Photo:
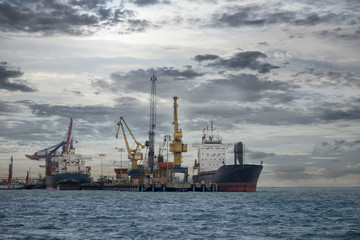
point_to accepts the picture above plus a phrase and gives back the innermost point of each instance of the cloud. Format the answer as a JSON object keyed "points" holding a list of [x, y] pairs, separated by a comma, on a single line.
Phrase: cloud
{"points": [[149, 2], [336, 146], [258, 155], [332, 78], [134, 80], [352, 113], [9, 72], [205, 57], [240, 60], [244, 88], [292, 172], [8, 107], [69, 17], [310, 176], [264, 15], [340, 33]]}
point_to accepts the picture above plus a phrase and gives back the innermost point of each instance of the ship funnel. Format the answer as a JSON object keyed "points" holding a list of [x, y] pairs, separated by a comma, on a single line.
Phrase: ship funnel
{"points": [[239, 153]]}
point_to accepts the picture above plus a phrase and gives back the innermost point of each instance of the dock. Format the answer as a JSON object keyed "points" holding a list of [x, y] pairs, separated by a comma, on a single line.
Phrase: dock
{"points": [[147, 187]]}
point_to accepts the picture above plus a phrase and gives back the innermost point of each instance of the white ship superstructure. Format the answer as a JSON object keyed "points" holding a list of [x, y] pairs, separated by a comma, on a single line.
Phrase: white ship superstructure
{"points": [[211, 152], [70, 163]]}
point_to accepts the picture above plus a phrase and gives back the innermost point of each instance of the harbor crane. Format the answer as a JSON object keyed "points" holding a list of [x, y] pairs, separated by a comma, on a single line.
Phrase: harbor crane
{"points": [[134, 154], [177, 147], [52, 151], [151, 155]]}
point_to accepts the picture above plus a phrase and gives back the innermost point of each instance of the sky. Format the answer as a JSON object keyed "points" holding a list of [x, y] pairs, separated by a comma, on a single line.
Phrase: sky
{"points": [[281, 76]]}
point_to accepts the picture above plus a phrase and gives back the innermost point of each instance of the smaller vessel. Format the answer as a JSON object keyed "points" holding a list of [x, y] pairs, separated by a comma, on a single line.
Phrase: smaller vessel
{"points": [[10, 183], [212, 168]]}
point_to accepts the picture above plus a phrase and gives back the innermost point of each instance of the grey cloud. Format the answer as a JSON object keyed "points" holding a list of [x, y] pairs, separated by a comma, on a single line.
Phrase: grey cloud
{"points": [[250, 82], [235, 16], [90, 120], [352, 113], [291, 172], [258, 155], [221, 112], [266, 14], [243, 60], [136, 25], [65, 17], [339, 33], [185, 73], [8, 107], [9, 72], [205, 57], [135, 81], [276, 114], [294, 172], [246, 88], [349, 170], [333, 78], [149, 2], [336, 146], [312, 19]]}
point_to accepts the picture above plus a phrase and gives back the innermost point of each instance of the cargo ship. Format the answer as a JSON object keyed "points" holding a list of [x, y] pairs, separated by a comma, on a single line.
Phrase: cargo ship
{"points": [[65, 169], [67, 172], [212, 168]]}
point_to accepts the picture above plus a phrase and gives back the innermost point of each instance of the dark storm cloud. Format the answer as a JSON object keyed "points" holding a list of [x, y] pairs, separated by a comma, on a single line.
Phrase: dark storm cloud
{"points": [[9, 72], [149, 2], [65, 17], [240, 60]]}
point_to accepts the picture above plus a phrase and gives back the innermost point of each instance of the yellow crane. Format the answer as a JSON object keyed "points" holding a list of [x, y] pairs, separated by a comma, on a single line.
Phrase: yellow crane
{"points": [[177, 147], [134, 154]]}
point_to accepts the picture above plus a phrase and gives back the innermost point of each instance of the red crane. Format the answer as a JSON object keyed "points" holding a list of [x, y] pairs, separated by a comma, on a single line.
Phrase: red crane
{"points": [[52, 151]]}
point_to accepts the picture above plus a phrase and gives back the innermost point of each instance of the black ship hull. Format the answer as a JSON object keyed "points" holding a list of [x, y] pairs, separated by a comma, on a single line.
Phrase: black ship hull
{"points": [[232, 178]]}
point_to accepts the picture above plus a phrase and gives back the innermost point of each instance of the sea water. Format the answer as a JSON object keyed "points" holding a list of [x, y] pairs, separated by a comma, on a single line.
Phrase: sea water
{"points": [[269, 213]]}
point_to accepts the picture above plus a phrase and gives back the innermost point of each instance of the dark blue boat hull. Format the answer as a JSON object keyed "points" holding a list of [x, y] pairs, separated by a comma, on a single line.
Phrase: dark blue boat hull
{"points": [[232, 178]]}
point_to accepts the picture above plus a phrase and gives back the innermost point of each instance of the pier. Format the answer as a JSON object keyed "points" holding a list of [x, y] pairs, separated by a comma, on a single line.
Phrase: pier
{"points": [[146, 187]]}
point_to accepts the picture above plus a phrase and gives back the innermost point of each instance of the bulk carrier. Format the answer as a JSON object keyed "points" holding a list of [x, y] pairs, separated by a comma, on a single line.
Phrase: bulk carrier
{"points": [[212, 168]]}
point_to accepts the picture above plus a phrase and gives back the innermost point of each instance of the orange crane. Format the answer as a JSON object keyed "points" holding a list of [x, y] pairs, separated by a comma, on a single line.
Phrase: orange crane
{"points": [[134, 154]]}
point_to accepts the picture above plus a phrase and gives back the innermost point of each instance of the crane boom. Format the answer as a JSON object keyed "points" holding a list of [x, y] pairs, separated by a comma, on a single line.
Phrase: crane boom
{"points": [[68, 145], [135, 154]]}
